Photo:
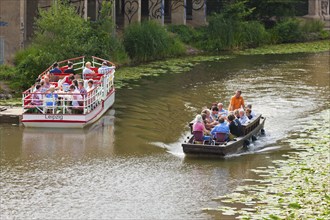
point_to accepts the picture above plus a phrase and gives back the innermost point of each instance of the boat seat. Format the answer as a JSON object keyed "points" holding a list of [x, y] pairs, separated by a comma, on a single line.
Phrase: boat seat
{"points": [[221, 138], [199, 138]]}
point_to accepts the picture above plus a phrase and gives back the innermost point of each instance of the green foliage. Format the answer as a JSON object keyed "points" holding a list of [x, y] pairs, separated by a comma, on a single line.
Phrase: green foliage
{"points": [[101, 39], [61, 34], [227, 34], [149, 41], [254, 34], [266, 9], [287, 31], [61, 31], [185, 33], [294, 30], [237, 10], [30, 63], [7, 72], [312, 26]]}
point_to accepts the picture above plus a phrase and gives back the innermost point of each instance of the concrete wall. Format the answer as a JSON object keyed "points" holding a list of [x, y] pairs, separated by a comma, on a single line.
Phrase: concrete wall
{"points": [[10, 29]]}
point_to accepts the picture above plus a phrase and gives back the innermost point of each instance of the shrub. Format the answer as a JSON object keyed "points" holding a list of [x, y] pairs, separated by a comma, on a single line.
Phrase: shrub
{"points": [[149, 41], [254, 34], [227, 34], [7, 72], [311, 25], [61, 34], [185, 33], [220, 33], [287, 31], [101, 40]]}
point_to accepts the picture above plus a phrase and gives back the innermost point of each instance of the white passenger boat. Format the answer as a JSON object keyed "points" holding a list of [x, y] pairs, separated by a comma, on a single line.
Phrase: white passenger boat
{"points": [[55, 109]]}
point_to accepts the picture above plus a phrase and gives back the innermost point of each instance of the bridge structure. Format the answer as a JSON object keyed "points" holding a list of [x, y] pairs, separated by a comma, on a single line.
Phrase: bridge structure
{"points": [[17, 16]]}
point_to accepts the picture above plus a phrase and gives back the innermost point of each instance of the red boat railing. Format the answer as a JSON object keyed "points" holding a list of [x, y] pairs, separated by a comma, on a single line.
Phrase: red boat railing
{"points": [[61, 102]]}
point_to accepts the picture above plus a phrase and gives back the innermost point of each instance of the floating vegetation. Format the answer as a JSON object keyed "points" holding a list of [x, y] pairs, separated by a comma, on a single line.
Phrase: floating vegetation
{"points": [[296, 188], [126, 74], [305, 47]]}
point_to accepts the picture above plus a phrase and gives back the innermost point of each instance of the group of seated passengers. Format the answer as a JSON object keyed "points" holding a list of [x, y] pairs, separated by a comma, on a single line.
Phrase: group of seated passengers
{"points": [[104, 69], [56, 69], [76, 89], [216, 119], [87, 69]]}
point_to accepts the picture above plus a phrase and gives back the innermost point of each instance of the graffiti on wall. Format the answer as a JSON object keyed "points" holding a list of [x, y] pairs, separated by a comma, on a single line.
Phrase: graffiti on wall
{"points": [[78, 5], [3, 24], [131, 8], [175, 4], [324, 8], [156, 9], [198, 4]]}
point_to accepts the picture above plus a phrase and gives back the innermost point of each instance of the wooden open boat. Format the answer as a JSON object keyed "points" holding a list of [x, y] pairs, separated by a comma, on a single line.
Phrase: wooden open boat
{"points": [[212, 148]]}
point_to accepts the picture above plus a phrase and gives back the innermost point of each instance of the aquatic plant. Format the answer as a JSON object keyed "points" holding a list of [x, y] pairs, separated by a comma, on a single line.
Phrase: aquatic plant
{"points": [[306, 47], [296, 187], [126, 74]]}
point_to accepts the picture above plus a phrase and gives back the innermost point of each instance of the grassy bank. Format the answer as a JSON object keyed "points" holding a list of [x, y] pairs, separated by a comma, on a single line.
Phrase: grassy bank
{"points": [[296, 187]]}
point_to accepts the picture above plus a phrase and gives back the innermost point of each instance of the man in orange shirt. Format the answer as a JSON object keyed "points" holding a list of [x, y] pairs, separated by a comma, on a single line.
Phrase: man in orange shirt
{"points": [[236, 102]]}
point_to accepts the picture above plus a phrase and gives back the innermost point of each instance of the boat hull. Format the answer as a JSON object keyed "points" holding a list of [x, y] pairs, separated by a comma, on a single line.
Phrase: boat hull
{"points": [[69, 120], [231, 147]]}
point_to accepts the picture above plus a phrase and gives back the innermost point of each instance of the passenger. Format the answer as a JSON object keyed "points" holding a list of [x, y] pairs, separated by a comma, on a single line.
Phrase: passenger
{"points": [[43, 88], [37, 96], [199, 126], [221, 111], [68, 79], [66, 82], [55, 69], [242, 117], [46, 75], [87, 69], [221, 127], [235, 127], [104, 69], [90, 85], [236, 113], [76, 100], [207, 123], [213, 105], [209, 117], [75, 83], [215, 112], [248, 113], [253, 114], [47, 83], [236, 102], [51, 98], [81, 88], [70, 69]]}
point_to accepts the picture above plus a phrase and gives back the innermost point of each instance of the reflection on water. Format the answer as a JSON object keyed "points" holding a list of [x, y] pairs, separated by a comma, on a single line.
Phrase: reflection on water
{"points": [[130, 163], [40, 143]]}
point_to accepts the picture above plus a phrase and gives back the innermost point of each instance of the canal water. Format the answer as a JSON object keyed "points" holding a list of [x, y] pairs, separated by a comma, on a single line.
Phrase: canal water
{"points": [[130, 165]]}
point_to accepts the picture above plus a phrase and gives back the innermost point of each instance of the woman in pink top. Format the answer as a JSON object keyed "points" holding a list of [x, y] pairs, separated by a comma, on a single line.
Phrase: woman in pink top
{"points": [[199, 125]]}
